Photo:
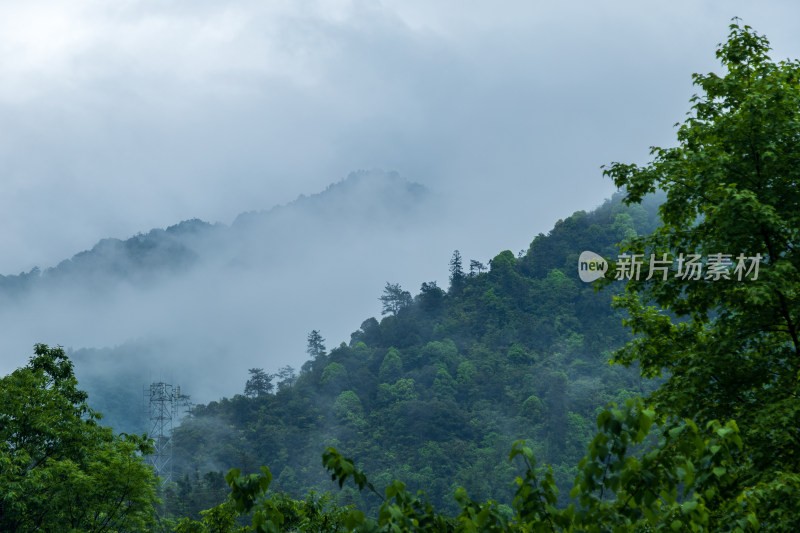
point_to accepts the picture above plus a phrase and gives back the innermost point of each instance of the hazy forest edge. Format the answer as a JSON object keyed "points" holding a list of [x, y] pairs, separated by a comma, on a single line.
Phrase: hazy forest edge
{"points": [[506, 354], [700, 435]]}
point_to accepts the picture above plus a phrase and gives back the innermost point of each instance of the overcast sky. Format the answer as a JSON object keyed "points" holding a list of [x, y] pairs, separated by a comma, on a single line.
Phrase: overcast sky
{"points": [[118, 117], [122, 116]]}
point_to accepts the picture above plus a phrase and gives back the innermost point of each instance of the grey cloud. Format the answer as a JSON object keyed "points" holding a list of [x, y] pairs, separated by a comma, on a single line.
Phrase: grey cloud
{"points": [[165, 111]]}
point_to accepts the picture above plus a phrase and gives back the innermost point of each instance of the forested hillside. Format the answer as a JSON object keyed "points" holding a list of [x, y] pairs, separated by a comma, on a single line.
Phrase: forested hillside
{"points": [[436, 391], [694, 428]]}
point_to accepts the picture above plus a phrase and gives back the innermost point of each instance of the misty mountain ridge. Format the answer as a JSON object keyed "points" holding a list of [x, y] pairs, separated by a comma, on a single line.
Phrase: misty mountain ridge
{"points": [[440, 387], [387, 192], [203, 302], [365, 198]]}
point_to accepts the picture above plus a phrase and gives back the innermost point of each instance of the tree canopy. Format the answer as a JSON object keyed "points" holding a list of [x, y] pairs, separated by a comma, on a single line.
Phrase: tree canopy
{"points": [[59, 469], [394, 298], [728, 341]]}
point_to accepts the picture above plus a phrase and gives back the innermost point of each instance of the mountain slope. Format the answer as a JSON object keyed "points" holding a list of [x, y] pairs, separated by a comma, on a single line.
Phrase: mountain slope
{"points": [[436, 392], [374, 198], [199, 303]]}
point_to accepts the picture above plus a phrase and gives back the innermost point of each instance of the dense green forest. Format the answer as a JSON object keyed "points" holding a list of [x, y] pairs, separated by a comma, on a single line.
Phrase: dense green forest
{"points": [[694, 428], [436, 391]]}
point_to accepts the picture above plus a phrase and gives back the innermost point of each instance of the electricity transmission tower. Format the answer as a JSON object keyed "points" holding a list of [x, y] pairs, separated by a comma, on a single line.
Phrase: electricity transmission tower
{"points": [[166, 405]]}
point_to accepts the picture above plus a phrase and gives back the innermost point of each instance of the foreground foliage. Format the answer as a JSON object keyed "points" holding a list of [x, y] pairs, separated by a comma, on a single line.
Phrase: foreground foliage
{"points": [[671, 487], [730, 346], [59, 469]]}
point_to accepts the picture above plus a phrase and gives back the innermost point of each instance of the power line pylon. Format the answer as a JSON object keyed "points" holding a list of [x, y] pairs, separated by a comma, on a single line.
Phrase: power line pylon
{"points": [[166, 405]]}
